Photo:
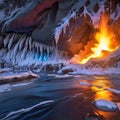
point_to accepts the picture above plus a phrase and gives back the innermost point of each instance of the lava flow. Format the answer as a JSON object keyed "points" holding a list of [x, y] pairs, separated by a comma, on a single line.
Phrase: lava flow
{"points": [[104, 42]]}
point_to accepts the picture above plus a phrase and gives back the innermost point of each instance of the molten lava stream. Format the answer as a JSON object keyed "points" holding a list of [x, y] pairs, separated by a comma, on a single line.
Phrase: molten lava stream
{"points": [[104, 42]]}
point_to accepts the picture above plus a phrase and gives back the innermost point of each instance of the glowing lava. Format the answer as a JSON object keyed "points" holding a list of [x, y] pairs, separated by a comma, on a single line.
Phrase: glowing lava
{"points": [[104, 42]]}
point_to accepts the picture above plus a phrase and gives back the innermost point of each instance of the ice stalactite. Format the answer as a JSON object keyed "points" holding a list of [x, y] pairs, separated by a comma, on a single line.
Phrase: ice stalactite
{"points": [[63, 26], [75, 11], [22, 50]]}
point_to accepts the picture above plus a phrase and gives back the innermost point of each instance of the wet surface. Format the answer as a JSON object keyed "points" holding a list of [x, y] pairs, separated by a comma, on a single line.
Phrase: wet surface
{"points": [[71, 100]]}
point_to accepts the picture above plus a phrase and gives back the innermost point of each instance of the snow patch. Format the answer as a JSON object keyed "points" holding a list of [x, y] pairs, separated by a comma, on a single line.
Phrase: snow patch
{"points": [[4, 88], [2, 70], [105, 105], [16, 77], [12, 75], [85, 69], [85, 83], [63, 76], [21, 84]]}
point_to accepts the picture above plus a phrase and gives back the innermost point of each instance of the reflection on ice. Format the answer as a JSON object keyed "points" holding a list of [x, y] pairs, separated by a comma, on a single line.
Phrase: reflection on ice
{"points": [[99, 87]]}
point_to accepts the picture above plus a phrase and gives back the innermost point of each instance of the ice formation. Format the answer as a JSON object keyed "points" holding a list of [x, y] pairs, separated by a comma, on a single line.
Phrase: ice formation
{"points": [[24, 49], [72, 15]]}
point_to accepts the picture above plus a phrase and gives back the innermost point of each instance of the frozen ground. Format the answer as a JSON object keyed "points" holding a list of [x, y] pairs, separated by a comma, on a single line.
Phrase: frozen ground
{"points": [[72, 98]]}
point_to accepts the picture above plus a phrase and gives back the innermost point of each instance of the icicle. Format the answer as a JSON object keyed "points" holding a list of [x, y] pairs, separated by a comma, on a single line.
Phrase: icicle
{"points": [[24, 53], [63, 26], [37, 47], [6, 40], [11, 41], [41, 50], [30, 43], [9, 56], [33, 46], [27, 43], [22, 41], [15, 51], [48, 51]]}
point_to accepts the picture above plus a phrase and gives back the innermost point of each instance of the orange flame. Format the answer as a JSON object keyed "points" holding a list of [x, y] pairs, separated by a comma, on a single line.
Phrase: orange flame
{"points": [[105, 41]]}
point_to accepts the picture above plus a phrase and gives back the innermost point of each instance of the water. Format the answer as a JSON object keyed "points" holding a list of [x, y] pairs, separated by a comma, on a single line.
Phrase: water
{"points": [[55, 97]]}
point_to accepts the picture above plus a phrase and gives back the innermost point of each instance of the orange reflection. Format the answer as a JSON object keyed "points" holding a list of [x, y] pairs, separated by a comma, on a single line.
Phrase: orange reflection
{"points": [[99, 88]]}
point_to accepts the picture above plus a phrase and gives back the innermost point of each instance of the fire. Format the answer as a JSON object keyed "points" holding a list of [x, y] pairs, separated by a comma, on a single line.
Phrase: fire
{"points": [[104, 42]]}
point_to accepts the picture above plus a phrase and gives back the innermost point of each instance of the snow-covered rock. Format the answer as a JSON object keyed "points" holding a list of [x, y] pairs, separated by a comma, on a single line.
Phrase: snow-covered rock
{"points": [[105, 105], [14, 77], [76, 69], [65, 70]]}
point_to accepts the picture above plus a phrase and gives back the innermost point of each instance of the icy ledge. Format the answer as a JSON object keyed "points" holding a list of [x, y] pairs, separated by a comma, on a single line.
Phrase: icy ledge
{"points": [[75, 69], [16, 77]]}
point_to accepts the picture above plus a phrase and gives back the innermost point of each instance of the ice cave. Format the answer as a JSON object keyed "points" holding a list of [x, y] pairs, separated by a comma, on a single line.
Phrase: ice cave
{"points": [[59, 59]]}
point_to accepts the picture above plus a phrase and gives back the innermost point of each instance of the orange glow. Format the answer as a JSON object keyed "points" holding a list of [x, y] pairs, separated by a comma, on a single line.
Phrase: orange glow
{"points": [[104, 42], [99, 88]]}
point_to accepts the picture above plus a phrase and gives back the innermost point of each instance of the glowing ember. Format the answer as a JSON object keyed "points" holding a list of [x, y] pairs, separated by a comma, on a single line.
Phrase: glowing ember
{"points": [[105, 42]]}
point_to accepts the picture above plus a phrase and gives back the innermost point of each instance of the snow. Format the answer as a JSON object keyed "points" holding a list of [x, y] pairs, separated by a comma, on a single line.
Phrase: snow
{"points": [[23, 110], [85, 83], [4, 88], [95, 17], [105, 105], [2, 70], [11, 75], [21, 84], [85, 69], [63, 76]]}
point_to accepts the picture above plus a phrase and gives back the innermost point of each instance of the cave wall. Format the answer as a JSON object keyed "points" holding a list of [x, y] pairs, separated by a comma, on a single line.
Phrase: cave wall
{"points": [[40, 18]]}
